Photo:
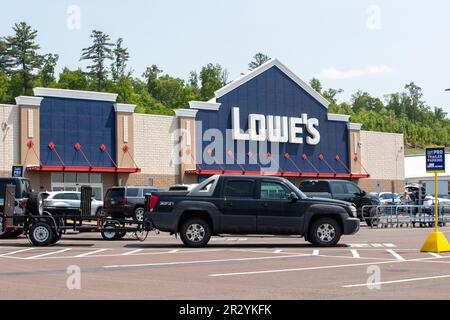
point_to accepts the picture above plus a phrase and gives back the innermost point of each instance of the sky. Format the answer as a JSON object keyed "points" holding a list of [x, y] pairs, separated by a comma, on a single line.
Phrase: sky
{"points": [[376, 46]]}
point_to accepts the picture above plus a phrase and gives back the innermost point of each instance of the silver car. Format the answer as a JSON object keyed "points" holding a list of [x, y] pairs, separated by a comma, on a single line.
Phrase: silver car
{"points": [[67, 200]]}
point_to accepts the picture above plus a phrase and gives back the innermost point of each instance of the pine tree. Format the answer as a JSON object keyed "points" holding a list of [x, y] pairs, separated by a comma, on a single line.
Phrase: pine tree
{"points": [[22, 50], [258, 60], [121, 57], [98, 53], [47, 73]]}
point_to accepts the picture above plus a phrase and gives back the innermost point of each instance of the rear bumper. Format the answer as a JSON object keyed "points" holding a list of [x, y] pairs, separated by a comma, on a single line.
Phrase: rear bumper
{"points": [[166, 221], [351, 226]]}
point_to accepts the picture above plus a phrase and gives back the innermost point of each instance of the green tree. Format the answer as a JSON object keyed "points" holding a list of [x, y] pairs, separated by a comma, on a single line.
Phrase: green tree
{"points": [[121, 57], [47, 72], [151, 75], [23, 52], [98, 53], [212, 78], [72, 79], [258, 60], [316, 85], [5, 58]]}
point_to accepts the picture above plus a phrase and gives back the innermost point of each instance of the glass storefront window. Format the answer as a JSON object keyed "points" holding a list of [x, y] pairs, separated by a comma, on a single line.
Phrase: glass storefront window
{"points": [[70, 177], [57, 177], [96, 178], [82, 177]]}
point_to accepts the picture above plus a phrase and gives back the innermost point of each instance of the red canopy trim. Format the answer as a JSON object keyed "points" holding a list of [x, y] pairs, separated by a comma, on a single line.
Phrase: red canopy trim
{"points": [[82, 169], [282, 174]]}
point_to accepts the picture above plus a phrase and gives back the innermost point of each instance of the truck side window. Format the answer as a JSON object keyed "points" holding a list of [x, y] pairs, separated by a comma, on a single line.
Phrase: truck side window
{"points": [[274, 191], [338, 188], [352, 189], [239, 189]]}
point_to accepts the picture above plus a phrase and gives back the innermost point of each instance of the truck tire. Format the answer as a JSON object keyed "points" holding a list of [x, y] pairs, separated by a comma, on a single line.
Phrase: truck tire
{"points": [[195, 232], [109, 235], [139, 214], [371, 221], [41, 234], [35, 204], [325, 232]]}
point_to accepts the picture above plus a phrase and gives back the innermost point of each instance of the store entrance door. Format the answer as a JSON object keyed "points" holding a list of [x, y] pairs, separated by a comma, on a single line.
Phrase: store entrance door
{"points": [[73, 181]]}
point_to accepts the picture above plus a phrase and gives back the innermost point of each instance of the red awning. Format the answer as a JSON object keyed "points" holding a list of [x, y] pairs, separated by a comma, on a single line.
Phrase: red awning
{"points": [[82, 169], [283, 174]]}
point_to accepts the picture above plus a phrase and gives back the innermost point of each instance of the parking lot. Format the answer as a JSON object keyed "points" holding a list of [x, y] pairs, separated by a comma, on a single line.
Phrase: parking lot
{"points": [[229, 268]]}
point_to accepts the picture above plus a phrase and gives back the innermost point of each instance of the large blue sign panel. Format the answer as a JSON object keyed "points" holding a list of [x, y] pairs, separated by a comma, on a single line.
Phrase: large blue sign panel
{"points": [[66, 122], [273, 100], [435, 160]]}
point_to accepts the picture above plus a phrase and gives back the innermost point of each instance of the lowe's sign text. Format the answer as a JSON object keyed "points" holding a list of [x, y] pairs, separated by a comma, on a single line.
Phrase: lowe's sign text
{"points": [[276, 128]]}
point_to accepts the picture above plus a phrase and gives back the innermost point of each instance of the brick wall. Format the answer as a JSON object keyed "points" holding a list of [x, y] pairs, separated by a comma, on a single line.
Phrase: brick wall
{"points": [[9, 138], [383, 155], [154, 144]]}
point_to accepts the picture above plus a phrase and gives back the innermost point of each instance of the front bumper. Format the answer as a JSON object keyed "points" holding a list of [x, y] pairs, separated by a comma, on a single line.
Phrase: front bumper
{"points": [[351, 226]]}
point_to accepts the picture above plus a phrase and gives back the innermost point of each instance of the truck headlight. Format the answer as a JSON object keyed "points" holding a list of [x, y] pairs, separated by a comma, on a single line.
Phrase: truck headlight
{"points": [[353, 212]]}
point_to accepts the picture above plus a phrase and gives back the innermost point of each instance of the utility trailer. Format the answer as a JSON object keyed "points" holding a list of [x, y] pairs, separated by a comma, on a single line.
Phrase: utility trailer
{"points": [[48, 228]]}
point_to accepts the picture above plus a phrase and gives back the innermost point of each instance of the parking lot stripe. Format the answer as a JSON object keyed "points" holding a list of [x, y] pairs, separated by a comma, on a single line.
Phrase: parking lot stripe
{"points": [[14, 252], [202, 261], [396, 255], [355, 253], [389, 245], [174, 251], [316, 252], [131, 252], [377, 245], [396, 281], [435, 255], [90, 253], [47, 254], [278, 251]]}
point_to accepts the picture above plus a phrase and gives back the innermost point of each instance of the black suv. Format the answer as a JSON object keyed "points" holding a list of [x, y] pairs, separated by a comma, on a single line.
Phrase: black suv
{"points": [[26, 202], [126, 202]]}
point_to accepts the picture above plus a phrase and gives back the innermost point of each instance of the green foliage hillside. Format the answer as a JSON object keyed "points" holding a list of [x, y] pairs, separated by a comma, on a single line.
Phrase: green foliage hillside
{"points": [[23, 66]]}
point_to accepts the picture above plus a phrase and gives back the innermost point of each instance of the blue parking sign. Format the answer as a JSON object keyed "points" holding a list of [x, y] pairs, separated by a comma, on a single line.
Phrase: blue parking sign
{"points": [[435, 159], [17, 171]]}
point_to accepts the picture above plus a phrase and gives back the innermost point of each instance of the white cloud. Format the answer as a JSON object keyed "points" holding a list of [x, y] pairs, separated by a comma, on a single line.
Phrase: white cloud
{"points": [[337, 74]]}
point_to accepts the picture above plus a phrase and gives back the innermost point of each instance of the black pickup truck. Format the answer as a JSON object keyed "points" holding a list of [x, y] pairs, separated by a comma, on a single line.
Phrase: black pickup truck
{"points": [[249, 205]]}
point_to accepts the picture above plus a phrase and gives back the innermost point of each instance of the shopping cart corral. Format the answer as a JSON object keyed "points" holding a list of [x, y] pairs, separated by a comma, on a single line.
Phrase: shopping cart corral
{"points": [[48, 228], [406, 216]]}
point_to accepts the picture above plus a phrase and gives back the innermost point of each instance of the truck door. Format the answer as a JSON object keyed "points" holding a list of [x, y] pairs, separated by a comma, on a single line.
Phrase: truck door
{"points": [[279, 215], [239, 207]]}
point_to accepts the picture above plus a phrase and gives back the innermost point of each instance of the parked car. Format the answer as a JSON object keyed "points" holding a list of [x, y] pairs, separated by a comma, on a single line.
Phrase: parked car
{"points": [[342, 190], [68, 202], [26, 202], [237, 205], [388, 198], [127, 202]]}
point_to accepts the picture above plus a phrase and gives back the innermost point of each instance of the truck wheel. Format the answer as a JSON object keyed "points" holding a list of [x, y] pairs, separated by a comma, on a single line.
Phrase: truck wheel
{"points": [[41, 234], [195, 233], [139, 214], [325, 232], [35, 204], [109, 235]]}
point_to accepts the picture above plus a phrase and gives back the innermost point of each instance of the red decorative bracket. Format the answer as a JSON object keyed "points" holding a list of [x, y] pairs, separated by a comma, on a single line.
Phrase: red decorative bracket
{"points": [[269, 155], [304, 156], [103, 148], [30, 144], [287, 155], [125, 148], [51, 145], [321, 157], [77, 146], [338, 158], [249, 154]]}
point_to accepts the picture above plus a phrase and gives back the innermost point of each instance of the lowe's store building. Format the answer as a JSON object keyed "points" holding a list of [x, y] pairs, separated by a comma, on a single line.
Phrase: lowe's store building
{"points": [[266, 122]]}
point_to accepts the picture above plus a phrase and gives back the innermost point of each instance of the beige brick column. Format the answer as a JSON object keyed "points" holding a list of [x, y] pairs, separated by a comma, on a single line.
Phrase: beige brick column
{"points": [[29, 130], [125, 135], [186, 125], [354, 139]]}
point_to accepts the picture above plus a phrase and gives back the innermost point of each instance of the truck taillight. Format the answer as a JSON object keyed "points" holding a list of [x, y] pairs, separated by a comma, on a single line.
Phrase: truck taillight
{"points": [[153, 201], [124, 200]]}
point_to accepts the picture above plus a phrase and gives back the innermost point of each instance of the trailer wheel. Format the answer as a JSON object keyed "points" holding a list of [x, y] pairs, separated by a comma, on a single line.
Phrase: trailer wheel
{"points": [[109, 235], [57, 237], [41, 234]]}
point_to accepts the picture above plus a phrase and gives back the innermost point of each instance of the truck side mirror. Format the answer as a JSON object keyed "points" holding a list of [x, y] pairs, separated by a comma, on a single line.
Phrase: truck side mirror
{"points": [[293, 197]]}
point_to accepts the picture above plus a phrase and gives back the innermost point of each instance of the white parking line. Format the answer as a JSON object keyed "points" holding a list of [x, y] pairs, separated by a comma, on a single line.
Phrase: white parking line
{"points": [[435, 255], [377, 245], [389, 245], [90, 253], [47, 254], [355, 253], [396, 281], [396, 255], [174, 251], [14, 252], [201, 261], [278, 251], [131, 252], [316, 252]]}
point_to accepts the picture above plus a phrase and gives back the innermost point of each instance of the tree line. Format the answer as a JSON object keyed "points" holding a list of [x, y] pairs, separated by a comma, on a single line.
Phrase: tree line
{"points": [[23, 67]]}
